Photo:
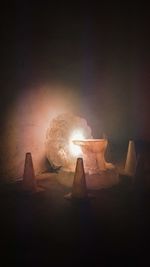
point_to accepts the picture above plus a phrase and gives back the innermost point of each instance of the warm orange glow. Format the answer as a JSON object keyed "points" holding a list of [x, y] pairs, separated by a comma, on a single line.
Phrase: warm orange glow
{"points": [[27, 122], [75, 150], [94, 151]]}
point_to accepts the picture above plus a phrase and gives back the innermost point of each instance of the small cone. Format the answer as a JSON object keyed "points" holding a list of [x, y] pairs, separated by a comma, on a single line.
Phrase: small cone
{"points": [[79, 184], [79, 190], [131, 161], [29, 181]]}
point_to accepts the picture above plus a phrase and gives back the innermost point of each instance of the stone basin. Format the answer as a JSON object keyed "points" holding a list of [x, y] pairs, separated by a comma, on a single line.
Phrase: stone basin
{"points": [[94, 154]]}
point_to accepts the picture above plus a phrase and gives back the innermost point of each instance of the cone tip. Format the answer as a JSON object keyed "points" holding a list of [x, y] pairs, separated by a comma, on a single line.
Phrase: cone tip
{"points": [[28, 153], [80, 159]]}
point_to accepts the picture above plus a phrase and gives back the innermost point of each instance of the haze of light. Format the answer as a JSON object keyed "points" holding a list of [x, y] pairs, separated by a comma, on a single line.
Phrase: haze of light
{"points": [[74, 149]]}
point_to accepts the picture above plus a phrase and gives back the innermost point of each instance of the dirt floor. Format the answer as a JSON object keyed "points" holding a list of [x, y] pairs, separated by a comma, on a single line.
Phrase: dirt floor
{"points": [[44, 229]]}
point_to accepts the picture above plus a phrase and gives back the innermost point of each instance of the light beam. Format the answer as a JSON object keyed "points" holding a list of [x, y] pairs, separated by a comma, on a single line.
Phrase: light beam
{"points": [[74, 149]]}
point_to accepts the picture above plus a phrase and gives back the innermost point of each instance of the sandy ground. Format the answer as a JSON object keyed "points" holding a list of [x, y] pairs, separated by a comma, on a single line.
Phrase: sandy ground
{"points": [[94, 181], [105, 179], [44, 229]]}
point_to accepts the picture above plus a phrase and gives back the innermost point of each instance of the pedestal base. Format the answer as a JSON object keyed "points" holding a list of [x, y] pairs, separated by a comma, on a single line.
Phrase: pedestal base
{"points": [[94, 155]]}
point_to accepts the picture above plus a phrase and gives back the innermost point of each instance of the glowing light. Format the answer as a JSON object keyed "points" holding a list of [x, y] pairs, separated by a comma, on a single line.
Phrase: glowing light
{"points": [[74, 149]]}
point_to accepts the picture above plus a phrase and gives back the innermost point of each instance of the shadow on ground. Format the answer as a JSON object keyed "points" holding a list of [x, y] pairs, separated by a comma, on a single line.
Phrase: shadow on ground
{"points": [[44, 229]]}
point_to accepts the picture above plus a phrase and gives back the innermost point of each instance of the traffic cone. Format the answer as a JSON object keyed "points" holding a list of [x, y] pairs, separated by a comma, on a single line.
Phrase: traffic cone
{"points": [[79, 189], [29, 181], [131, 161]]}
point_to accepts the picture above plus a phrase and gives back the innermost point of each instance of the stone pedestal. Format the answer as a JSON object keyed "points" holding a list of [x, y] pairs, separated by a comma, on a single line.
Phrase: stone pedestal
{"points": [[94, 154]]}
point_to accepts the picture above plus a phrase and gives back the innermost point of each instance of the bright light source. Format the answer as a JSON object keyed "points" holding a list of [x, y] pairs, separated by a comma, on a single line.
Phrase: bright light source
{"points": [[74, 149]]}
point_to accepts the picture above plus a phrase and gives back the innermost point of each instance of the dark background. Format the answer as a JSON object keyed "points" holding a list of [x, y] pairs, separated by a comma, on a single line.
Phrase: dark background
{"points": [[102, 51]]}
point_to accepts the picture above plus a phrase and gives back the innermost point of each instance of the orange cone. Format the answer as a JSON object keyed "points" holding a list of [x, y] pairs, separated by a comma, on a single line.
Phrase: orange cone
{"points": [[29, 181], [131, 161], [79, 190]]}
